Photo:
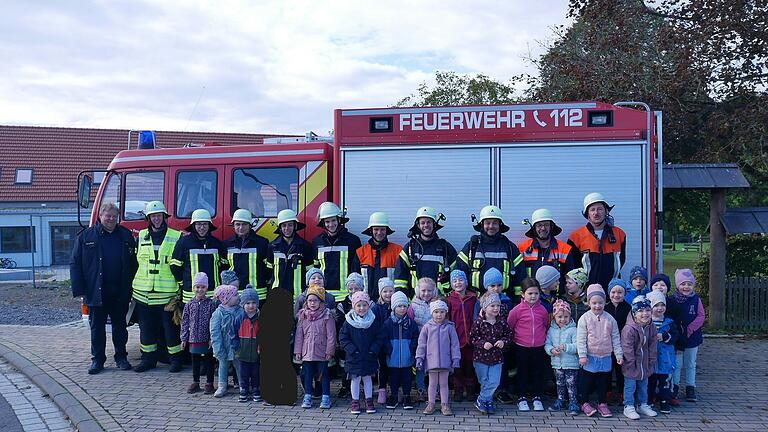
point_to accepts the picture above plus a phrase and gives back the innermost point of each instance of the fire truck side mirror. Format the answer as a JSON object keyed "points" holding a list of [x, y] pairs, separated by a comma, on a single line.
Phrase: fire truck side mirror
{"points": [[84, 191]]}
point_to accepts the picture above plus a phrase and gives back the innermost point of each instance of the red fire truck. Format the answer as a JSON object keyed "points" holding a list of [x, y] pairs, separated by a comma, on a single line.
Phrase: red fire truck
{"points": [[456, 159]]}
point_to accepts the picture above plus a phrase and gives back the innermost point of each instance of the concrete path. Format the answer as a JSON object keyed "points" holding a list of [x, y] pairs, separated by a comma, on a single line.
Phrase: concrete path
{"points": [[732, 389], [24, 407]]}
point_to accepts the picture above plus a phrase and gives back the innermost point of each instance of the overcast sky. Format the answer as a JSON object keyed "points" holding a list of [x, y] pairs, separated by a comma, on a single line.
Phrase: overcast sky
{"points": [[255, 66]]}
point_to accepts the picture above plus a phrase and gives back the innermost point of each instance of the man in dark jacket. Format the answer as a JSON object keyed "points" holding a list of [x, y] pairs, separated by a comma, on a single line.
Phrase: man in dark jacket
{"points": [[247, 255], [289, 254], [102, 268], [543, 248], [335, 249]]}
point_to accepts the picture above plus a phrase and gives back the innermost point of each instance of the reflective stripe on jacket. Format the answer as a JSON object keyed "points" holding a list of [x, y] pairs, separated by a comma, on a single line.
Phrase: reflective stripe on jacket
{"points": [[247, 257], [193, 255], [496, 251], [154, 283], [424, 258], [603, 258], [336, 257]]}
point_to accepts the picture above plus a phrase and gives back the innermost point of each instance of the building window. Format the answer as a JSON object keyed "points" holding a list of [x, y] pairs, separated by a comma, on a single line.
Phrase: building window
{"points": [[23, 175], [265, 191], [141, 188], [16, 239], [195, 190]]}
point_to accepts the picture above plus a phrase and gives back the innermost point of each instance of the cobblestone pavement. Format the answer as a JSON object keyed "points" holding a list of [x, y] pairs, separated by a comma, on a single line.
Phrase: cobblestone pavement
{"points": [[26, 408], [732, 395]]}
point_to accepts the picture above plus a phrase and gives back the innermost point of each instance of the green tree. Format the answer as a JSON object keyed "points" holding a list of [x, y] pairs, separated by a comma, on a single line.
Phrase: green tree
{"points": [[451, 88]]}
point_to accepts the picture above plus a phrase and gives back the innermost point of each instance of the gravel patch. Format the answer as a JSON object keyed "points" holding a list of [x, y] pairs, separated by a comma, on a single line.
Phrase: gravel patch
{"points": [[48, 304]]}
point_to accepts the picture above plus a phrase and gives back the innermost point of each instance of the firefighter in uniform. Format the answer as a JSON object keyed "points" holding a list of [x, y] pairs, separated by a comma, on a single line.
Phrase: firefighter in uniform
{"points": [[599, 245], [378, 257], [247, 254], [425, 254], [335, 250], [543, 248], [154, 286], [491, 248], [289, 255], [197, 252]]}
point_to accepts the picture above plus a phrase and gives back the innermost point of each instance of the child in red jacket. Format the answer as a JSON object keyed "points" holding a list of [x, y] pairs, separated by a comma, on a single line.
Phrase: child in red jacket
{"points": [[461, 307]]}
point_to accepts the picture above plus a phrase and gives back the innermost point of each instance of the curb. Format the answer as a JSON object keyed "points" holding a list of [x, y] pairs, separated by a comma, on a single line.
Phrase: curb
{"points": [[78, 415]]}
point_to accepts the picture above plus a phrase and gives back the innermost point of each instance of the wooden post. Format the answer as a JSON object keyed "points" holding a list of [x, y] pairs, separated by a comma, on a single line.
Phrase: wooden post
{"points": [[716, 258]]}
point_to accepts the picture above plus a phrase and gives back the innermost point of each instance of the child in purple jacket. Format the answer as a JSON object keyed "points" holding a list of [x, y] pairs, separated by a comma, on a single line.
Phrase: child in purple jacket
{"points": [[195, 333], [439, 354]]}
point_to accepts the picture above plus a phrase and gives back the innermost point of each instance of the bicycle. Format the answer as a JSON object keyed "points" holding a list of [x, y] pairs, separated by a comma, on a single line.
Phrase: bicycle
{"points": [[7, 263]]}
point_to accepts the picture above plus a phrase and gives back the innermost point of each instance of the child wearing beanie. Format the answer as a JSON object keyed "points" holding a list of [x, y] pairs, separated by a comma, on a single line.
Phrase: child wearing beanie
{"points": [[597, 335], [691, 316], [660, 282], [561, 346], [222, 328], [461, 307], [638, 283], [315, 344], [638, 343], [229, 277], [401, 338], [314, 277], [382, 310], [426, 291], [619, 309], [246, 345], [362, 340], [528, 322], [574, 295], [438, 353], [549, 281], [490, 338], [353, 284], [659, 384], [196, 333]]}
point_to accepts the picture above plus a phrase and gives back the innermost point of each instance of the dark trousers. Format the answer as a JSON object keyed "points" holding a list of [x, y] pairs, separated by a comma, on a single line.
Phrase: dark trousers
{"points": [[593, 381], [616, 373], [97, 319], [155, 327], [400, 378], [383, 371], [249, 376], [464, 378], [659, 388], [530, 371], [508, 365], [206, 360], [310, 370]]}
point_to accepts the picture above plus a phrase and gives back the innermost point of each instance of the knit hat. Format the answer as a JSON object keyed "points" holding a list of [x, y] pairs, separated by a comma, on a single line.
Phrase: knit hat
{"points": [[488, 299], [224, 293], [438, 305], [547, 276], [595, 290], [249, 294], [316, 290], [560, 306], [399, 298], [360, 296], [660, 277], [638, 272], [620, 282], [579, 276], [312, 271], [385, 282], [656, 297], [228, 277], [200, 279], [491, 277], [458, 274], [640, 303], [355, 278], [684, 275]]}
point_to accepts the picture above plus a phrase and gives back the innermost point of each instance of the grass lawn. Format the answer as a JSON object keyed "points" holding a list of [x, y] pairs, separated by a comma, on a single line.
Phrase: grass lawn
{"points": [[679, 259]]}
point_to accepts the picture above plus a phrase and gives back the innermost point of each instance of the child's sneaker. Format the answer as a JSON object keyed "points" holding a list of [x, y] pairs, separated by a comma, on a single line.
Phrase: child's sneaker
{"points": [[221, 391], [604, 410], [537, 405], [631, 413], [690, 393], [646, 410], [588, 409], [256, 396], [504, 397], [355, 409], [446, 409], [557, 406], [193, 388], [664, 407], [522, 405], [243, 396], [307, 402], [209, 389], [407, 403], [392, 402], [429, 409], [382, 399], [480, 405], [573, 408], [325, 402], [490, 408], [369, 407]]}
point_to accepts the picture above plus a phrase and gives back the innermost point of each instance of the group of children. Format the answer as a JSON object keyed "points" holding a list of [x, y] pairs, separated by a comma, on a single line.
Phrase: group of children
{"points": [[637, 331]]}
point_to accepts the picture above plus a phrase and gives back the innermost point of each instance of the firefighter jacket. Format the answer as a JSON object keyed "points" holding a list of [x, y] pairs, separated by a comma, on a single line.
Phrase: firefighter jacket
{"points": [[248, 258], [434, 258], [192, 255], [483, 252], [289, 263], [336, 258], [603, 258], [154, 283], [559, 255], [377, 261]]}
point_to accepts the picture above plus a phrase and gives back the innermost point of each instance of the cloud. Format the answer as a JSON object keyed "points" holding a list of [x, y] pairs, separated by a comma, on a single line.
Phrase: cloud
{"points": [[267, 66]]}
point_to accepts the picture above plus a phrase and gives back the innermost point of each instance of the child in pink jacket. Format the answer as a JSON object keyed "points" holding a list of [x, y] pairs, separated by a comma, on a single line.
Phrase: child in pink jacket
{"points": [[315, 344]]}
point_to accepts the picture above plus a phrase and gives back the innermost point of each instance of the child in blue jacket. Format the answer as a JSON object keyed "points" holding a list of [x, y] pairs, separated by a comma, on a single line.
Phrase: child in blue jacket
{"points": [[402, 338], [660, 383]]}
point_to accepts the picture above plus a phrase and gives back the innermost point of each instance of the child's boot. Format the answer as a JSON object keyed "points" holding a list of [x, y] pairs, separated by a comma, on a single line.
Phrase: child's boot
{"points": [[355, 409], [194, 388], [690, 393], [664, 407], [446, 409], [573, 408], [382, 398], [407, 403], [325, 402], [369, 407], [307, 401], [490, 407], [209, 389], [392, 402], [243, 396], [673, 400], [221, 391]]}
